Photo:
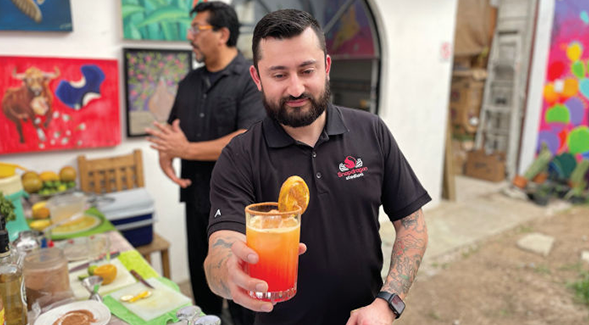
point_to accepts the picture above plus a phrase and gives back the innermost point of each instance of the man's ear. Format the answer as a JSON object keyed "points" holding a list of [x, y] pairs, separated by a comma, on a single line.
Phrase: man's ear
{"points": [[327, 65], [256, 77], [225, 34]]}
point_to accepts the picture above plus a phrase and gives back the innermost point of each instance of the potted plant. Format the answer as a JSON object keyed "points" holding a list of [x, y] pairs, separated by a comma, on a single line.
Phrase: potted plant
{"points": [[542, 194], [6, 211]]}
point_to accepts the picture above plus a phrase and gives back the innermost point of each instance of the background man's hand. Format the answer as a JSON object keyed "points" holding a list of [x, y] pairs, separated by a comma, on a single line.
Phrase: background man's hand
{"points": [[168, 169], [168, 139]]}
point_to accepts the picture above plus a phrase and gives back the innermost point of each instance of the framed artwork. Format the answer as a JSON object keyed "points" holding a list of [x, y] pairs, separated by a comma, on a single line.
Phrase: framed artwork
{"points": [[151, 81], [164, 20], [39, 15], [58, 103]]}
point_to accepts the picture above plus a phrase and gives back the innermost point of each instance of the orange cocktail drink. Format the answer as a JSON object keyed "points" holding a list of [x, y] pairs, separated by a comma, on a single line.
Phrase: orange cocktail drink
{"points": [[275, 237]]}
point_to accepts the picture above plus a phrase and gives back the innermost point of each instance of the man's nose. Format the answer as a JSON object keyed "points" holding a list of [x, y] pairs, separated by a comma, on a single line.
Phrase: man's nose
{"points": [[295, 87]]}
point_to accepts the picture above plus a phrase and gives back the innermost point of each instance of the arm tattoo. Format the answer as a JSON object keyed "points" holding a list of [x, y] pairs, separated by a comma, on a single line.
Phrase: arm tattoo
{"points": [[407, 253], [220, 252], [222, 243]]}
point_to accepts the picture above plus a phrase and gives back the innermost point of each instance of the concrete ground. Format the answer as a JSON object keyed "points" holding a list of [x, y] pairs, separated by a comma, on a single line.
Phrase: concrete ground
{"points": [[480, 211]]}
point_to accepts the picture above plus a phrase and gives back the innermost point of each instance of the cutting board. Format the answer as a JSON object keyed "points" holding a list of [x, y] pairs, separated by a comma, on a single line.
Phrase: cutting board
{"points": [[123, 279], [162, 300]]}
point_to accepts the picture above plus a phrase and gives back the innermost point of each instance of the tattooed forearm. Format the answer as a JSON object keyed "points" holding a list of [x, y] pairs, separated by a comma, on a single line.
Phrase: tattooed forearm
{"points": [[414, 221], [407, 254], [216, 261]]}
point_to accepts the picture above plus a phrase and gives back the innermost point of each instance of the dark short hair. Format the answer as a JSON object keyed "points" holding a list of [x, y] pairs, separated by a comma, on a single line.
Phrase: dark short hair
{"points": [[220, 15], [284, 24]]}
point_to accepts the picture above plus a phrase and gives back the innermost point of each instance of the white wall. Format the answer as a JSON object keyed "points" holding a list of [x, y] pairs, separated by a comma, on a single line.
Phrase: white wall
{"points": [[415, 84], [536, 84], [414, 88], [98, 34]]}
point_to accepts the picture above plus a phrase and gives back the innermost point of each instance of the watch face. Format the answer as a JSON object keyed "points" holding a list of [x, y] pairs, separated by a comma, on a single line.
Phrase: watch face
{"points": [[398, 303]]}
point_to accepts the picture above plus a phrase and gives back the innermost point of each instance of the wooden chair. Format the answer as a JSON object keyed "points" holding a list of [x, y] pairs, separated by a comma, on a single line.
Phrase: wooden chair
{"points": [[106, 175]]}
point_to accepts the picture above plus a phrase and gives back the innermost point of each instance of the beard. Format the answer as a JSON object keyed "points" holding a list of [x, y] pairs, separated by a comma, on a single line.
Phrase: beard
{"points": [[198, 55], [296, 117]]}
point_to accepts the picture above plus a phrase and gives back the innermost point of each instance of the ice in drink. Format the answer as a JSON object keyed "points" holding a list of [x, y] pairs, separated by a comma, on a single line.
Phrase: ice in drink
{"points": [[274, 236]]}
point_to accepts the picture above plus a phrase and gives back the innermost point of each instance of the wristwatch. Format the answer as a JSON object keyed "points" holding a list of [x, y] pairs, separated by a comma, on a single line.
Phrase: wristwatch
{"points": [[395, 302]]}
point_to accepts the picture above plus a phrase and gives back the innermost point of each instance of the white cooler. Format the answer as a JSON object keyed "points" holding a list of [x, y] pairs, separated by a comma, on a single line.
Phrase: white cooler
{"points": [[132, 212]]}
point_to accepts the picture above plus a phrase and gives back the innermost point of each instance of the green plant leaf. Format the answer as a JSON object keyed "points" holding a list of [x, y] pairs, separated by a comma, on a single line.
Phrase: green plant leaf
{"points": [[128, 10], [163, 14], [7, 208]]}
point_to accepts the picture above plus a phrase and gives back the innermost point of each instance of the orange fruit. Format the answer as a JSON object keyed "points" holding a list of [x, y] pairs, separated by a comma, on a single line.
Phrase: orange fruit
{"points": [[41, 213], [48, 176], [294, 194], [107, 272]]}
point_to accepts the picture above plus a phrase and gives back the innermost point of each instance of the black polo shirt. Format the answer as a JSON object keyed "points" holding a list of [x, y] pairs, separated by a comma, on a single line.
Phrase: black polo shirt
{"points": [[208, 111], [354, 168]]}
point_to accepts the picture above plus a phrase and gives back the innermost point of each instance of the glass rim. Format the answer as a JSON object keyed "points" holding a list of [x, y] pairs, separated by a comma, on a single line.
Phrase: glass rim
{"points": [[250, 209]]}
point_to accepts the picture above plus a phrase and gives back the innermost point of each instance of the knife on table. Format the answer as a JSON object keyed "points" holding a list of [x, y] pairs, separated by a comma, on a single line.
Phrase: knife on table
{"points": [[86, 264], [140, 279]]}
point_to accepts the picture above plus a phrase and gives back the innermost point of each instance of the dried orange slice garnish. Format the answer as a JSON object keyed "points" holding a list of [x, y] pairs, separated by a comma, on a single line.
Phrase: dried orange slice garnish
{"points": [[107, 272], [294, 194]]}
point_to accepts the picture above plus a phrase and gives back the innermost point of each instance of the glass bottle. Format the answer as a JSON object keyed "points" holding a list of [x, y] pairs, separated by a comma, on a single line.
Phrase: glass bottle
{"points": [[11, 282]]}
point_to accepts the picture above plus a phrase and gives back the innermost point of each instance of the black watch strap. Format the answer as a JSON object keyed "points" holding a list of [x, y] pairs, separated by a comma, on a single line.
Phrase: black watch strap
{"points": [[395, 302]]}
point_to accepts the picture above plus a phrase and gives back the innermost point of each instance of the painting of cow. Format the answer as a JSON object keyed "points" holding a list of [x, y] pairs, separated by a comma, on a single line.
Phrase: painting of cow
{"points": [[32, 101], [50, 104]]}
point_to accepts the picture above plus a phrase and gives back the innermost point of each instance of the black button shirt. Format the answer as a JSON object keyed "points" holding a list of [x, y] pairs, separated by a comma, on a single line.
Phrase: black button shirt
{"points": [[208, 111], [354, 168]]}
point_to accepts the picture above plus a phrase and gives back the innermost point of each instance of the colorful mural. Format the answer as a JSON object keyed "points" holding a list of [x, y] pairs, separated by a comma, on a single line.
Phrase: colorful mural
{"points": [[54, 15], [58, 103], [564, 123], [165, 20]]}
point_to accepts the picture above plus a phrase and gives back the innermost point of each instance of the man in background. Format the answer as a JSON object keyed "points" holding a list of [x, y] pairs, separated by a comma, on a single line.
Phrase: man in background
{"points": [[213, 104]]}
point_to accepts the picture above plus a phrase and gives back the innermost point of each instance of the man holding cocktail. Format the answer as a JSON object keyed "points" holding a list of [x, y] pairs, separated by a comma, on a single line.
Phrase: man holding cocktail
{"points": [[351, 164]]}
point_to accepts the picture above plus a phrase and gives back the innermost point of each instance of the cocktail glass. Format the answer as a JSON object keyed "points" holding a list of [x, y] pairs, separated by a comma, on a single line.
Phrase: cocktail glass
{"points": [[275, 237]]}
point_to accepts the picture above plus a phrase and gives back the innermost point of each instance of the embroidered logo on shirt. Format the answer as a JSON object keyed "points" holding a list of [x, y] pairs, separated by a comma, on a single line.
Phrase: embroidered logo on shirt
{"points": [[351, 168], [218, 213]]}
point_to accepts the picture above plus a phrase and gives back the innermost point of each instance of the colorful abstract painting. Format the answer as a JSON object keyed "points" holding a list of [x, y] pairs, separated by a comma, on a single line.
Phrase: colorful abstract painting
{"points": [[565, 110], [36, 15], [351, 36], [165, 20], [57, 104], [151, 79]]}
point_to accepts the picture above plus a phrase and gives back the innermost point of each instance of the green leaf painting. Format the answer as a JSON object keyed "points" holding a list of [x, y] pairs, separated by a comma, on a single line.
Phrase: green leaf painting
{"points": [[163, 20]]}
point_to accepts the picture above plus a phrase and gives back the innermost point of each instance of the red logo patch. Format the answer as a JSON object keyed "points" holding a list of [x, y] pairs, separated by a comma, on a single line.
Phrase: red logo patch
{"points": [[351, 168]]}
